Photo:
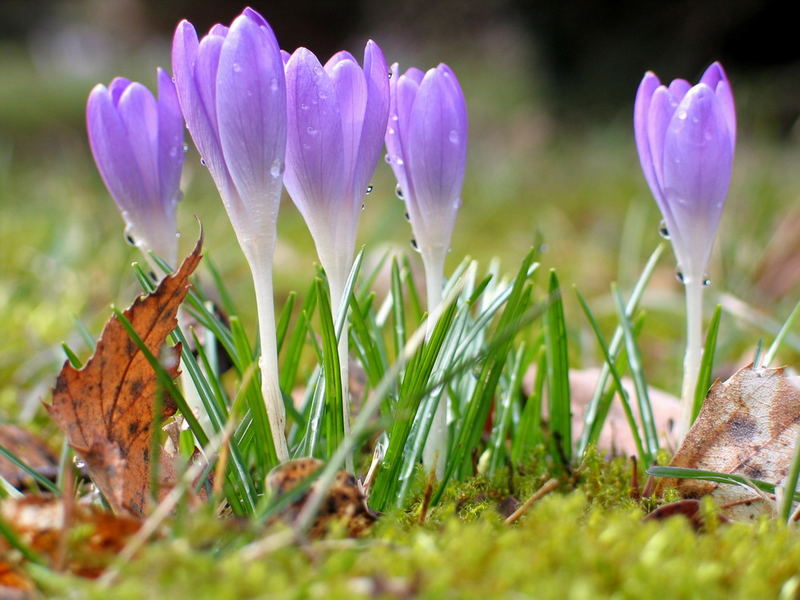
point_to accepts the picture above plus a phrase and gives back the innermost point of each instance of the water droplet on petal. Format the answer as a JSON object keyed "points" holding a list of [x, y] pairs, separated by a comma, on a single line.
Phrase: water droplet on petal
{"points": [[273, 84], [303, 106], [363, 206], [369, 189], [390, 75], [408, 217], [388, 159], [311, 130], [276, 170], [129, 239], [453, 137], [203, 161], [186, 147], [682, 115], [679, 276], [391, 130], [399, 161], [663, 231], [706, 281], [237, 68], [414, 245], [398, 191], [395, 117]]}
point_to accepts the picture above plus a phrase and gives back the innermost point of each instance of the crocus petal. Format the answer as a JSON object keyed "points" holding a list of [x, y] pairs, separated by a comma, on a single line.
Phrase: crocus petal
{"points": [[351, 98], [251, 108], [678, 88], [697, 169], [376, 114], [715, 78], [315, 163], [436, 155], [170, 140], [641, 120], [139, 113]]}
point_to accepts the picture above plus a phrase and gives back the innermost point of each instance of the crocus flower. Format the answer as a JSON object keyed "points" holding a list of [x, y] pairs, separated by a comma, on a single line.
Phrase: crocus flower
{"points": [[232, 92], [427, 143], [337, 118], [137, 143], [685, 136]]}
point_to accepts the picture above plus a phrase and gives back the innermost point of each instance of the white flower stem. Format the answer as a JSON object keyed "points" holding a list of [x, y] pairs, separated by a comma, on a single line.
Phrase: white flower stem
{"points": [[261, 268], [434, 454], [694, 350], [337, 283]]}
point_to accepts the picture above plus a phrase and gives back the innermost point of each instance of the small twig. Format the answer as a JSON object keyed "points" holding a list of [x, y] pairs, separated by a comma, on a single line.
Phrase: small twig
{"points": [[548, 487], [636, 492], [377, 458]]}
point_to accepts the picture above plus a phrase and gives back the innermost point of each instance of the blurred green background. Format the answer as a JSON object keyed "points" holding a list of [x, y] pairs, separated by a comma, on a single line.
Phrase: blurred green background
{"points": [[549, 86]]}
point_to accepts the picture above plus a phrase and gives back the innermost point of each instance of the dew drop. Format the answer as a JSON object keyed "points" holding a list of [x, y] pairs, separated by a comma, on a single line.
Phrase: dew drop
{"points": [[311, 130], [237, 68], [398, 191], [273, 84], [276, 170], [303, 106], [679, 276], [453, 137], [203, 161], [414, 245], [390, 75], [322, 95], [682, 115], [369, 189], [388, 159], [391, 130], [395, 117], [78, 462], [408, 217], [186, 147], [173, 152], [153, 276], [399, 161], [363, 206], [663, 231], [706, 282], [129, 238]]}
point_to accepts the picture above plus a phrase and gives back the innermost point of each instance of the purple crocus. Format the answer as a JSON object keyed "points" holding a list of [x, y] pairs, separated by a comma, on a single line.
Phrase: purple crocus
{"points": [[686, 136], [232, 92], [427, 143], [337, 118], [137, 143]]}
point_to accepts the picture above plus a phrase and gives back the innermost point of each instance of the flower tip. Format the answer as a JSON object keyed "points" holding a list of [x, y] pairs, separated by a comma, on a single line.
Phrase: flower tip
{"points": [[254, 15]]}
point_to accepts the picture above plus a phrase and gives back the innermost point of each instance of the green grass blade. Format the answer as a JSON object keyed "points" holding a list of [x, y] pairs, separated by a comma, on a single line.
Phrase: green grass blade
{"points": [[30, 471], [333, 424], [597, 425], [294, 350], [73, 359], [398, 312], [283, 320], [558, 397], [615, 347], [499, 435], [529, 431], [713, 476], [707, 364], [784, 331], [789, 485]]}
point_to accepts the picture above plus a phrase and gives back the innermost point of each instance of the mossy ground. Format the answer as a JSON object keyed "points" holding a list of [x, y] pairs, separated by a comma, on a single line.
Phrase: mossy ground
{"points": [[585, 540]]}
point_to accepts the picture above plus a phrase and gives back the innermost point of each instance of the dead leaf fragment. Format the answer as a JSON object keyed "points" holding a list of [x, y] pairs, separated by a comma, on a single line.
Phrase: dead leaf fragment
{"points": [[82, 538], [30, 449], [344, 503], [106, 408], [748, 426]]}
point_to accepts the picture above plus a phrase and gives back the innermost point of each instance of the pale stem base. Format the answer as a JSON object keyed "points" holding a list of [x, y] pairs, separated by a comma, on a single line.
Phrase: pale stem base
{"points": [[434, 454], [261, 269], [694, 351]]}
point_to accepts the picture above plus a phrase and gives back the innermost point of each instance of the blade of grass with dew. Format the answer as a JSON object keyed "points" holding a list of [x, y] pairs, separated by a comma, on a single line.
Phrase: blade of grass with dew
{"points": [[558, 394], [715, 477], [499, 435], [411, 393], [706, 364], [529, 431], [784, 331], [471, 424], [30, 471], [614, 348], [650, 437], [617, 384], [333, 426], [789, 485], [398, 311]]}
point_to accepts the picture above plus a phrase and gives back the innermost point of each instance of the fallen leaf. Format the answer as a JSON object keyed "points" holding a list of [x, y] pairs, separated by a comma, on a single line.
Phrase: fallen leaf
{"points": [[748, 426], [106, 408], [31, 450], [13, 585], [82, 538], [344, 503]]}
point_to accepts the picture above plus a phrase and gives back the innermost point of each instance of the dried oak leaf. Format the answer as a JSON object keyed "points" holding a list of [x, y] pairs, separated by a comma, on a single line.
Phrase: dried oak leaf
{"points": [[81, 538], [32, 450], [748, 426], [345, 502], [106, 408]]}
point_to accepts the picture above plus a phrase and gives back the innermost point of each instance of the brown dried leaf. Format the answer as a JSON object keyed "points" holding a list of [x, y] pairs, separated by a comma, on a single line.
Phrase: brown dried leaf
{"points": [[80, 537], [748, 426], [106, 408], [345, 502], [32, 450]]}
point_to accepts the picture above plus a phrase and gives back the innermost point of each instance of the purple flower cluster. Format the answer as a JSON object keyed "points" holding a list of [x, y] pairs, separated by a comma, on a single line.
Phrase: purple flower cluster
{"points": [[261, 118]]}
